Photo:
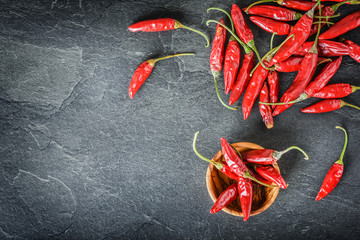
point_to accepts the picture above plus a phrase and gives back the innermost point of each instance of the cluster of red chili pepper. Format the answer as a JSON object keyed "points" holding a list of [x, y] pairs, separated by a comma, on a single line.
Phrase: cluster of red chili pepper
{"points": [[246, 168]]}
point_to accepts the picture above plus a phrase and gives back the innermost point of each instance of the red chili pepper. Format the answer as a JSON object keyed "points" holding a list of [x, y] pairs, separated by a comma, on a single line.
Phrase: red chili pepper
{"points": [[274, 12], [225, 198], [245, 189], [354, 50], [292, 64], [327, 48], [258, 176], [271, 174], [346, 24], [265, 110], [327, 11], [272, 26], [232, 63], [253, 90], [293, 4], [143, 71], [162, 24], [268, 156], [243, 77], [334, 174], [327, 105], [301, 31], [273, 80], [337, 90]]}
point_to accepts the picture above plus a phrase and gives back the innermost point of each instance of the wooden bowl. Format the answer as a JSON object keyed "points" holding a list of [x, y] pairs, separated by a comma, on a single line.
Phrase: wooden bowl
{"points": [[217, 182]]}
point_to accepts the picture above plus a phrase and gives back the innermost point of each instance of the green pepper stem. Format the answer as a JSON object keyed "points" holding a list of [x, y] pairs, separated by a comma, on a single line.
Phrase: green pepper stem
{"points": [[175, 55], [218, 165], [354, 88], [198, 32], [277, 155], [258, 2], [251, 44], [248, 175], [320, 22], [340, 161], [302, 97], [272, 39], [227, 14], [324, 61], [333, 16], [246, 48], [349, 105], [337, 5], [216, 76]]}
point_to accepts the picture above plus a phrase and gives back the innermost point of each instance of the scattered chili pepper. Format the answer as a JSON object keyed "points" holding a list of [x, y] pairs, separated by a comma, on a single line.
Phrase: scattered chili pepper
{"points": [[245, 189], [293, 4], [326, 48], [143, 71], [336, 90], [232, 63], [354, 50], [346, 24], [335, 173], [301, 31], [270, 173], [225, 198], [292, 64], [243, 77], [327, 105], [163, 24], [265, 110], [274, 84], [272, 26], [268, 156], [274, 12]]}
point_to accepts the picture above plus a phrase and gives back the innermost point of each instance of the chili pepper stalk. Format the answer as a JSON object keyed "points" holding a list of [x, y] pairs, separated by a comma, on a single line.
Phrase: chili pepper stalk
{"points": [[334, 174], [144, 70], [163, 24], [327, 105]]}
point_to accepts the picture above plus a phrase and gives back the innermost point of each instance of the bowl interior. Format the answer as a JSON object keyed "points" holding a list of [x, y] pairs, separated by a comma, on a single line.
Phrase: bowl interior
{"points": [[217, 182]]}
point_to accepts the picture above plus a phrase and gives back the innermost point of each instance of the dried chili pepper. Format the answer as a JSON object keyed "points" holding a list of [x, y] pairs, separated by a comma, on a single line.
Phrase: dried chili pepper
{"points": [[143, 71], [292, 64], [243, 77], [274, 12], [265, 110], [245, 189], [274, 84], [336, 90], [163, 24], [272, 26], [327, 48], [258, 176], [225, 198], [327, 105], [268, 156], [232, 63], [293, 4], [335, 173], [346, 24], [354, 50], [270, 173], [301, 31]]}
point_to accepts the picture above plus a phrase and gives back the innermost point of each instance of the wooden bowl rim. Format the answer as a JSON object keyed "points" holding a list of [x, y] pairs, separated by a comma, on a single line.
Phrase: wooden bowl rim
{"points": [[211, 167]]}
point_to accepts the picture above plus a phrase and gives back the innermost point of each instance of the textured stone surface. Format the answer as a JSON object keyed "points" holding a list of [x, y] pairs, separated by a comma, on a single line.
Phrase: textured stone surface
{"points": [[80, 160]]}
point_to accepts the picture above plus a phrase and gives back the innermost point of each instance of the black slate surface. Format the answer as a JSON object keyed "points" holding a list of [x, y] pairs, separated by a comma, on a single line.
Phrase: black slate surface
{"points": [[80, 160]]}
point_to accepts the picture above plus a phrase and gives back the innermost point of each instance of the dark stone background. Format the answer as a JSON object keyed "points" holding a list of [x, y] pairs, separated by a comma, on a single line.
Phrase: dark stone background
{"points": [[80, 160]]}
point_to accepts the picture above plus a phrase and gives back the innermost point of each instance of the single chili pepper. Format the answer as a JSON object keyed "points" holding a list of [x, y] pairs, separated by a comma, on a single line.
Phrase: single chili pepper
{"points": [[225, 198], [327, 48], [265, 110], [268, 156], [235, 162], [143, 71], [346, 24], [327, 105], [245, 189], [274, 12], [336, 90], [243, 77], [274, 85], [301, 31], [271, 174], [232, 63], [163, 24], [354, 50], [335, 173], [292, 64], [222, 167], [293, 4], [272, 26], [258, 176]]}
